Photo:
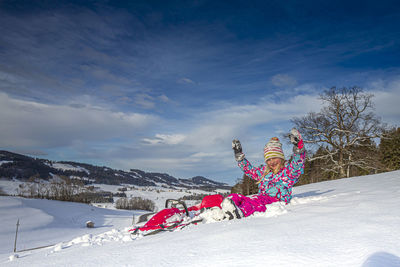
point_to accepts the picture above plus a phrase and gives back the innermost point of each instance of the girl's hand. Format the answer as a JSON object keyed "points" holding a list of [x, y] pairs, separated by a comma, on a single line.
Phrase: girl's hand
{"points": [[237, 150], [295, 136], [297, 141]]}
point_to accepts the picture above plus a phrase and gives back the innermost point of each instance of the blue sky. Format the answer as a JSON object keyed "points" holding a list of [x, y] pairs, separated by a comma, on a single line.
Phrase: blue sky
{"points": [[165, 86]]}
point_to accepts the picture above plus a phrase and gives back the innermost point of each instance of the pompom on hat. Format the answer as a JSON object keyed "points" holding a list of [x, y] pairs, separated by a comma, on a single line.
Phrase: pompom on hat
{"points": [[273, 149]]}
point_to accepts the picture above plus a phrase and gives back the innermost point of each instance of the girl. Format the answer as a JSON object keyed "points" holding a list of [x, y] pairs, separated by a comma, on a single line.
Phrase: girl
{"points": [[275, 179]]}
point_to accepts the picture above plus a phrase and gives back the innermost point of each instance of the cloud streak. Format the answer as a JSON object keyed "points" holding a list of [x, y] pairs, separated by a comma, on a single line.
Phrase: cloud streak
{"points": [[28, 124], [168, 139]]}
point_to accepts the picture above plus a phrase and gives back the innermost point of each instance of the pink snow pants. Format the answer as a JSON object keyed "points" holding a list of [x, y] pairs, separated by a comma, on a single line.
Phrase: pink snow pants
{"points": [[249, 205]]}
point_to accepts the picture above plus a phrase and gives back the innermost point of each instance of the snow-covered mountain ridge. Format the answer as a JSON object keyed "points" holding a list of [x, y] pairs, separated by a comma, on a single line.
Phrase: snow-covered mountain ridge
{"points": [[347, 222], [16, 166]]}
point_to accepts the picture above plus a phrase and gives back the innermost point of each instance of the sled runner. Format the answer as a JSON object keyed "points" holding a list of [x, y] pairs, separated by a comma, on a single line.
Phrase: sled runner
{"points": [[172, 218]]}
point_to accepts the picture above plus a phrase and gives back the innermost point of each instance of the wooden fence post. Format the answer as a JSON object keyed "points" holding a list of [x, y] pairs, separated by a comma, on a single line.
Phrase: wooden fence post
{"points": [[16, 234]]}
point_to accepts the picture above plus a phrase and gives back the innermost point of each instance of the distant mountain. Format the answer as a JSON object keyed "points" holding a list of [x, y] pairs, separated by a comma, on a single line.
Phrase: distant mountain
{"points": [[17, 166]]}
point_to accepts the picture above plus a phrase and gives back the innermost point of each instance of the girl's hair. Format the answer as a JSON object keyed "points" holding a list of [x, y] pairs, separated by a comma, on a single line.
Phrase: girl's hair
{"points": [[268, 169]]}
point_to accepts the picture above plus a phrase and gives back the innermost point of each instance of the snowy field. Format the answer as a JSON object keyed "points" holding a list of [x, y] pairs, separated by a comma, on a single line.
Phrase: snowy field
{"points": [[347, 222], [157, 194]]}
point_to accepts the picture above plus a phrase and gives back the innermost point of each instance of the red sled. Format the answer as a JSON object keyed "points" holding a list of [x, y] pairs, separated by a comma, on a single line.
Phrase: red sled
{"points": [[172, 218]]}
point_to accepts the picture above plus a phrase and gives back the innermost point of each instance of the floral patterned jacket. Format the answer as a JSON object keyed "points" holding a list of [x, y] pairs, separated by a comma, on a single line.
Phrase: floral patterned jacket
{"points": [[276, 185]]}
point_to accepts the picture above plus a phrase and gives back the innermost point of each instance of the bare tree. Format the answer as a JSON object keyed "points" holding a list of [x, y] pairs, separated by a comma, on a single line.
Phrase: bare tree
{"points": [[345, 125]]}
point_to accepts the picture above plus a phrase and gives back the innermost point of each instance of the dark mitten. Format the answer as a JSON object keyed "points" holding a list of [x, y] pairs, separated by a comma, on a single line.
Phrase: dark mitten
{"points": [[237, 150]]}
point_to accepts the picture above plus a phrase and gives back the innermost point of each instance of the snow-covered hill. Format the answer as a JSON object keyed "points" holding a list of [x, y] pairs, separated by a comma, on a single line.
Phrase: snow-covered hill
{"points": [[16, 166], [348, 222]]}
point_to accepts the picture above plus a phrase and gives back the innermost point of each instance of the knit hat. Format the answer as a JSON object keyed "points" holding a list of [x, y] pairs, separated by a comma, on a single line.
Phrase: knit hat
{"points": [[273, 149]]}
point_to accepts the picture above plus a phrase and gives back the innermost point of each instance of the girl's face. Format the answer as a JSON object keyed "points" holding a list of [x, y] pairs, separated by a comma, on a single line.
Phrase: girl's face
{"points": [[274, 163]]}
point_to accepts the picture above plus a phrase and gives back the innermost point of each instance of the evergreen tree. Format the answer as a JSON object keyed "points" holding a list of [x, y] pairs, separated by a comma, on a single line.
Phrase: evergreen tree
{"points": [[315, 171], [366, 159], [249, 186], [389, 149], [245, 186]]}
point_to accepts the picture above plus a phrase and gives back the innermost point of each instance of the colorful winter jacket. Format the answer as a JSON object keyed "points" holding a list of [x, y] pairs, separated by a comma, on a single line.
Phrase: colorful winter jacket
{"points": [[276, 185]]}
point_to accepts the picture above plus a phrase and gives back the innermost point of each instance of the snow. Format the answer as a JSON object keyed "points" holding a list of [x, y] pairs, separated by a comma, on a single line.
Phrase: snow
{"points": [[347, 222], [5, 161], [10, 186], [68, 167]]}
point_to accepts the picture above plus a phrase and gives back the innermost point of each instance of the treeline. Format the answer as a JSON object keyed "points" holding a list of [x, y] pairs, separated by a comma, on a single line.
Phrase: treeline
{"points": [[64, 189], [245, 186], [135, 203]]}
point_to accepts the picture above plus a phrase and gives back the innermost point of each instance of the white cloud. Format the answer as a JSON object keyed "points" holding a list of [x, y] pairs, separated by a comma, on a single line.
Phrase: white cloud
{"points": [[148, 101], [386, 100], [163, 98], [182, 166], [168, 139], [28, 124], [186, 81], [145, 101], [202, 155]]}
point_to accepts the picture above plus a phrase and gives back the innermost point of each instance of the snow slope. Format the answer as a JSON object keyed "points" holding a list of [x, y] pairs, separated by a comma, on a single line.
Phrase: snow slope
{"points": [[67, 167], [44, 222], [347, 222]]}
